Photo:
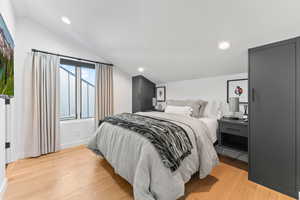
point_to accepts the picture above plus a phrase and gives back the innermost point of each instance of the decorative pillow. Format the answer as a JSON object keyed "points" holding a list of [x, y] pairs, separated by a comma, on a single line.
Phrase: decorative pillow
{"points": [[202, 108], [198, 106], [182, 110]]}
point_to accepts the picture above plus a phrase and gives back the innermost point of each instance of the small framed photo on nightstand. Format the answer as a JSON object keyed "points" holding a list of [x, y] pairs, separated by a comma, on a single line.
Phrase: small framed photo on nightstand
{"points": [[161, 94]]}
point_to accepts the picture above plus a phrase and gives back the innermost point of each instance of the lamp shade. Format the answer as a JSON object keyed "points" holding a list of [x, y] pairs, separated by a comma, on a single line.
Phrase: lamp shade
{"points": [[234, 104], [154, 102]]}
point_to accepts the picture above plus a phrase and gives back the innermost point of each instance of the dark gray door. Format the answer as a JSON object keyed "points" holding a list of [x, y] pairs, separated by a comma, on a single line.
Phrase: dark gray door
{"points": [[272, 116], [298, 115]]}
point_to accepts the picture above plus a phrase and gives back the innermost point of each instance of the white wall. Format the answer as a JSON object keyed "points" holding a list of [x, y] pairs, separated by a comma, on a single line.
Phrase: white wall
{"points": [[76, 132], [2, 147], [122, 92], [212, 88], [8, 15], [33, 35], [209, 89]]}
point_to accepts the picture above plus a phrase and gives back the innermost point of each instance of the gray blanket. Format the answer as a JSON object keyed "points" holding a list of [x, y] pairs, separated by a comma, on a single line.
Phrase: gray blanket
{"points": [[170, 140], [135, 159]]}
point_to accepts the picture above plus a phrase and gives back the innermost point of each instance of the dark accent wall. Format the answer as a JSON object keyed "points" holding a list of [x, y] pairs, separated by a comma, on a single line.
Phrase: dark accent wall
{"points": [[143, 90]]}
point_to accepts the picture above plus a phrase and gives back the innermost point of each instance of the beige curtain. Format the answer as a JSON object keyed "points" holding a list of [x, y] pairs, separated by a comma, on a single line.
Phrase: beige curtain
{"points": [[104, 92], [43, 115]]}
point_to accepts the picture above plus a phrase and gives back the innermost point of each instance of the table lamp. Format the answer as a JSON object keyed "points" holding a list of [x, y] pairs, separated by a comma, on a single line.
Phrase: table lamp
{"points": [[234, 107]]}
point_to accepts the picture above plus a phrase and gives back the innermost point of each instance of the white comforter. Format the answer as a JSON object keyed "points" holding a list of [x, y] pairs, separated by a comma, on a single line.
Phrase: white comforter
{"points": [[134, 158]]}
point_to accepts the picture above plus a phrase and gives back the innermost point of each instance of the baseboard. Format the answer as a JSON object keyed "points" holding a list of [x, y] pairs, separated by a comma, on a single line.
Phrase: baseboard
{"points": [[74, 144], [3, 188]]}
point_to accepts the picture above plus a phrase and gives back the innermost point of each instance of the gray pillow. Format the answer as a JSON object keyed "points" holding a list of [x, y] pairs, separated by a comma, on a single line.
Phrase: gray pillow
{"points": [[198, 106], [202, 108]]}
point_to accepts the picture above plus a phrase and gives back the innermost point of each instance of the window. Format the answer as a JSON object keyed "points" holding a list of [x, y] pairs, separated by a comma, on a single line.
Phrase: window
{"points": [[67, 92], [87, 81], [77, 90]]}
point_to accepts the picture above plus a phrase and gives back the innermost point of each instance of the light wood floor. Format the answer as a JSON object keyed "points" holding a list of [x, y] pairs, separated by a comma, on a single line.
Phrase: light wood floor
{"points": [[77, 174]]}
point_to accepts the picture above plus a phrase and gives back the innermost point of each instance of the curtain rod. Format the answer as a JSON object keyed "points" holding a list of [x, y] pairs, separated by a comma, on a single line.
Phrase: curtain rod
{"points": [[81, 59]]}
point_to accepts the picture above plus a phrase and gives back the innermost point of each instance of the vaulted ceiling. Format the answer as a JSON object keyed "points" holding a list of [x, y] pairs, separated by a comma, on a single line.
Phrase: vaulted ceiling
{"points": [[171, 39]]}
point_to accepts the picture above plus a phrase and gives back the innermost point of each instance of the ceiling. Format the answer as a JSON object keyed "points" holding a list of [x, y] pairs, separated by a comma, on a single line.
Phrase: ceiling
{"points": [[172, 39]]}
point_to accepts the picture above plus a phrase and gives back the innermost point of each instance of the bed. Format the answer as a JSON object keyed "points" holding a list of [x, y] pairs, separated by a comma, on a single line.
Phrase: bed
{"points": [[212, 126], [136, 159]]}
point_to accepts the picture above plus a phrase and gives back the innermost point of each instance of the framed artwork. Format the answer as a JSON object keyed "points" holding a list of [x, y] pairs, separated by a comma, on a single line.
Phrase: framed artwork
{"points": [[6, 61], [161, 94], [238, 88]]}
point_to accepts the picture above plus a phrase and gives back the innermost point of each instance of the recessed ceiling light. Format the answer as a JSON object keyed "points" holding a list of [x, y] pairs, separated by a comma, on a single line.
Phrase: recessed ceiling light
{"points": [[66, 20], [141, 69], [224, 45]]}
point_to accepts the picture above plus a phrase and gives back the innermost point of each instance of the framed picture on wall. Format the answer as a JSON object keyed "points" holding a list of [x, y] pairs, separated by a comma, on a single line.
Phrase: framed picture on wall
{"points": [[6, 61], [161, 94], [238, 88]]}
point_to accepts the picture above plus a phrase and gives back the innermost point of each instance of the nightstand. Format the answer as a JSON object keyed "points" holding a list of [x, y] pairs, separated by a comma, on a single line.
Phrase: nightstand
{"points": [[233, 138]]}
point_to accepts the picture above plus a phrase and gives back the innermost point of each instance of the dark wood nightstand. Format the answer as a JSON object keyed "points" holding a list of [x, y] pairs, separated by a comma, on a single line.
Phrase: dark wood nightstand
{"points": [[233, 138]]}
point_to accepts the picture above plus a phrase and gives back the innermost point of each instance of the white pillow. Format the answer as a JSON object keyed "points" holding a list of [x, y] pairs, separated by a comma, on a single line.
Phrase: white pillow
{"points": [[213, 109], [182, 110]]}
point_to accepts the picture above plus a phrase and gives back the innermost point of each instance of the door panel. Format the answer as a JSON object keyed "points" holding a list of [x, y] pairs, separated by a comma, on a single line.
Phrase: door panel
{"points": [[272, 116], [298, 115]]}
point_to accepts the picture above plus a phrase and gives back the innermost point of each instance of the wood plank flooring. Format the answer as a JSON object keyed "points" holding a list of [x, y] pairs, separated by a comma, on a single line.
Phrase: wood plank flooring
{"points": [[77, 174]]}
